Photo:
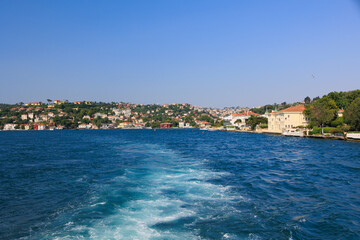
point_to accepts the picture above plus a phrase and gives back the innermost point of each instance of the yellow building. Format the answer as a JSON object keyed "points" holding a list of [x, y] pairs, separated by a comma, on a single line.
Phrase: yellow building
{"points": [[58, 102], [288, 118]]}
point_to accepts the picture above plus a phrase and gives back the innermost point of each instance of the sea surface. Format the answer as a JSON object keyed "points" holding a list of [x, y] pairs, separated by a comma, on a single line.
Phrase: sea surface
{"points": [[177, 184]]}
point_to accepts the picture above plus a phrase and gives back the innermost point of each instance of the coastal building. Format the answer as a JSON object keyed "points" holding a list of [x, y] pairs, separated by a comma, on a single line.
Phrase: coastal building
{"points": [[24, 116], [9, 126], [181, 124], [288, 118], [240, 118], [165, 125], [139, 125], [125, 125], [204, 124], [106, 126], [187, 125], [41, 127], [85, 126], [227, 120]]}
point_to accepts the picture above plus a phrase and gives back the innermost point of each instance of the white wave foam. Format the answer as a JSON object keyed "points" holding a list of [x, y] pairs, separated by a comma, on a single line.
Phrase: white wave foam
{"points": [[96, 204], [172, 190]]}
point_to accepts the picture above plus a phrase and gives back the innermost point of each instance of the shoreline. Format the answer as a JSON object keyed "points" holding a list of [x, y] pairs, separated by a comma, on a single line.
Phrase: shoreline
{"points": [[342, 138]]}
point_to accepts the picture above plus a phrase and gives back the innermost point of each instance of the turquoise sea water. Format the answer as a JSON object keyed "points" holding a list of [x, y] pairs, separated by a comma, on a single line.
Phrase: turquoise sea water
{"points": [[176, 184]]}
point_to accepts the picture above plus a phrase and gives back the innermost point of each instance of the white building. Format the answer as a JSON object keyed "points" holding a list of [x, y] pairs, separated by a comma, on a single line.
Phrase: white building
{"points": [[101, 115], [117, 111], [127, 112], [240, 118], [227, 120], [85, 126], [125, 125], [41, 127], [139, 125], [113, 118], [24, 116], [44, 117], [181, 124], [9, 126]]}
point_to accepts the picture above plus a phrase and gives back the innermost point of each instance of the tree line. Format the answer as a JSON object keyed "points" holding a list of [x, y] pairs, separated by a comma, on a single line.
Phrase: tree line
{"points": [[323, 112]]}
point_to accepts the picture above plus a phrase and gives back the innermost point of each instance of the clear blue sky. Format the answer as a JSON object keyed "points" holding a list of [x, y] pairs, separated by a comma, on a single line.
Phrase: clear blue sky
{"points": [[207, 53]]}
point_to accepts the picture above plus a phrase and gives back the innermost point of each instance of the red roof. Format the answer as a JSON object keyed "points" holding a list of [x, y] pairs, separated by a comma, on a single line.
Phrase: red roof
{"points": [[245, 114], [297, 108]]}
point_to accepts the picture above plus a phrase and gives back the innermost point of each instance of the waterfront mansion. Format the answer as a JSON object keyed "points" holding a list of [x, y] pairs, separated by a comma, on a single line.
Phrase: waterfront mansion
{"points": [[288, 118]]}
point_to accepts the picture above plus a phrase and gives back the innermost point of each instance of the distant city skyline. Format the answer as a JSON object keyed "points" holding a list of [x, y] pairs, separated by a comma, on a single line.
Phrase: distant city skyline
{"points": [[206, 53]]}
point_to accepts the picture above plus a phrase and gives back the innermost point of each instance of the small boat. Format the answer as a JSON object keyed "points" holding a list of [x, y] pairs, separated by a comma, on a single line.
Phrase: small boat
{"points": [[292, 132]]}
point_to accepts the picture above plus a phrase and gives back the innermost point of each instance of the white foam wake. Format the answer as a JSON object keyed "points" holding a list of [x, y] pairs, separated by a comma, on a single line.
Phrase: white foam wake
{"points": [[169, 195]]}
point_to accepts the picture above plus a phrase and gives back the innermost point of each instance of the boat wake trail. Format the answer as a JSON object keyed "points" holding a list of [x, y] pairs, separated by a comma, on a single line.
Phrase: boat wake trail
{"points": [[159, 195]]}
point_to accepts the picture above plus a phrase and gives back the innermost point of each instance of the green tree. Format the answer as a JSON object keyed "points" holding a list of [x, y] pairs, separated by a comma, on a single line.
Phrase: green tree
{"points": [[253, 121], [352, 114], [337, 122], [206, 118], [237, 121], [344, 99], [315, 99], [307, 100], [322, 111]]}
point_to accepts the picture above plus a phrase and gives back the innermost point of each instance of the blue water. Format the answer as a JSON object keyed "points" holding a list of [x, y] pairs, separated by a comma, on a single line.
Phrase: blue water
{"points": [[176, 184]]}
